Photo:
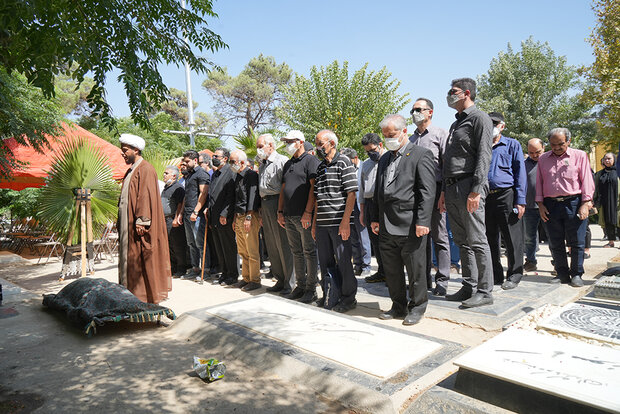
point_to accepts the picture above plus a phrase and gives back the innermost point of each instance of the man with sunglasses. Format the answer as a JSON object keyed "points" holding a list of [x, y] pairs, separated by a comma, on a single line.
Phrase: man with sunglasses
{"points": [[434, 138], [465, 186]]}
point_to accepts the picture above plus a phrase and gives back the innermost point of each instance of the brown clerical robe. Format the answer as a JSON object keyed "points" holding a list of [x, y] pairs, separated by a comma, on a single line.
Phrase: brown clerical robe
{"points": [[144, 261]]}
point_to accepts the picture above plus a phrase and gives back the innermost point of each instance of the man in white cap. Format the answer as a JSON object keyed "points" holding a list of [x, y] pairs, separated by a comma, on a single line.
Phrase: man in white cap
{"points": [[144, 260]]}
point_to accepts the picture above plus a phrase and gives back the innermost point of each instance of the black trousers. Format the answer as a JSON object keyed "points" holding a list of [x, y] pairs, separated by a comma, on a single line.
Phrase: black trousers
{"points": [[178, 247], [500, 219], [226, 249], [398, 253]]}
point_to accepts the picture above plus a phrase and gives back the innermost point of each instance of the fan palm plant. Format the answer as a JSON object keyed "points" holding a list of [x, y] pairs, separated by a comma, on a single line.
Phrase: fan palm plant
{"points": [[156, 158], [79, 165], [247, 143]]}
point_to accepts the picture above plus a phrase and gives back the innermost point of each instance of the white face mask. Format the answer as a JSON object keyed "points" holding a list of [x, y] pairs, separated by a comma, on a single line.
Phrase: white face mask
{"points": [[291, 148], [260, 153], [495, 132], [392, 144], [418, 118], [235, 167]]}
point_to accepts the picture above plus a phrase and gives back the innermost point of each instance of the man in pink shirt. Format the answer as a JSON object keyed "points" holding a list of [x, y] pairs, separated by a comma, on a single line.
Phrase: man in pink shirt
{"points": [[564, 189]]}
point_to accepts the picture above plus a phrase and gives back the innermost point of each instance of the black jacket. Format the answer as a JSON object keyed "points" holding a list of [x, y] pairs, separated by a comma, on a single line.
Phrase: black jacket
{"points": [[221, 200], [408, 200]]}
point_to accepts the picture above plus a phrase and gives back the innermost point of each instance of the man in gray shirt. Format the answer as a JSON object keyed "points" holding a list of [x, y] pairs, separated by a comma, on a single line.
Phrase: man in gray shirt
{"points": [[465, 187], [269, 185], [434, 138], [531, 218]]}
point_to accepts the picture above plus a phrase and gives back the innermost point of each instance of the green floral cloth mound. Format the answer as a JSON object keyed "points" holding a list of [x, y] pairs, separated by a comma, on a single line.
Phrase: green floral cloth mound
{"points": [[90, 302]]}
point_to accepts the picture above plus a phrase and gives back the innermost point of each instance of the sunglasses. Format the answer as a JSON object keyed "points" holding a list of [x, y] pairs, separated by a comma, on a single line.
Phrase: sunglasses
{"points": [[418, 110], [454, 91]]}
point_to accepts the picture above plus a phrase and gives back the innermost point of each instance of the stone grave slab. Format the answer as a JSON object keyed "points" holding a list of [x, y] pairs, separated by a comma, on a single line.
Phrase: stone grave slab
{"points": [[587, 321], [608, 287], [329, 335], [570, 370]]}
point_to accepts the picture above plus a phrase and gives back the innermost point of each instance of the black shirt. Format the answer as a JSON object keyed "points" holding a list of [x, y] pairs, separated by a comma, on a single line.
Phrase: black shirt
{"points": [[171, 196], [296, 176], [193, 180], [246, 191]]}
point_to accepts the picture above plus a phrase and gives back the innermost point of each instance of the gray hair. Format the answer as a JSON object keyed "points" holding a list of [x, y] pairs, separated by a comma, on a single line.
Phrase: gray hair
{"points": [[330, 135], [241, 155], [268, 139], [397, 120], [558, 131], [174, 169]]}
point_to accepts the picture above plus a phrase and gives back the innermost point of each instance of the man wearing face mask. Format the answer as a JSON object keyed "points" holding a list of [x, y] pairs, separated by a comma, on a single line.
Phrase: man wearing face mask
{"points": [[368, 174], [336, 185], [172, 201], [465, 186], [434, 138], [295, 208], [505, 204], [221, 210], [247, 220], [269, 186], [405, 195]]}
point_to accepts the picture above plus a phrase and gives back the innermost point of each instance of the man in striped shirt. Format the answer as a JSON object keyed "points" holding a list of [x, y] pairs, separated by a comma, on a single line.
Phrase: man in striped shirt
{"points": [[335, 188]]}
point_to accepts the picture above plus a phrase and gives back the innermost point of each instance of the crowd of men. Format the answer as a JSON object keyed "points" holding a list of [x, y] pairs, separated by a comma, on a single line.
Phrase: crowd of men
{"points": [[323, 208]]}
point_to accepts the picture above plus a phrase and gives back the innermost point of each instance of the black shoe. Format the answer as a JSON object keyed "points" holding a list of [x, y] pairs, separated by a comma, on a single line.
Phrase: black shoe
{"points": [[576, 281], [285, 292], [345, 307], [464, 293], [375, 278], [177, 275], [321, 302], [412, 318], [357, 270], [229, 281], [308, 297], [478, 299], [251, 286], [529, 266], [556, 280], [220, 280], [509, 284], [391, 314], [240, 284], [439, 291], [297, 293], [278, 287]]}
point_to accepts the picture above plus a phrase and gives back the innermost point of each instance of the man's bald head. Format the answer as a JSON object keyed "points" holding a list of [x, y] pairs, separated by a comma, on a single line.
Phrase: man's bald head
{"points": [[535, 148]]}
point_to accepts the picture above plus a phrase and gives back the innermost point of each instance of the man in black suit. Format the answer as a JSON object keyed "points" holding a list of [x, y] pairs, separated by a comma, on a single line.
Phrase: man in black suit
{"points": [[404, 195], [221, 211]]}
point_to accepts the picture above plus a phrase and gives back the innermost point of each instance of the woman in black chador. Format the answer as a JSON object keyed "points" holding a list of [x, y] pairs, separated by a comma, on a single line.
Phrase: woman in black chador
{"points": [[606, 197]]}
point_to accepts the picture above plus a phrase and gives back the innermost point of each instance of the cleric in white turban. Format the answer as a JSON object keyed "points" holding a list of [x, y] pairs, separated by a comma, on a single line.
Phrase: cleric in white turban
{"points": [[144, 260]]}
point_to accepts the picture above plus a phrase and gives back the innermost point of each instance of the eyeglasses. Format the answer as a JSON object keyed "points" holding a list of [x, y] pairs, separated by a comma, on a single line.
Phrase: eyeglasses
{"points": [[217, 156], [418, 110], [454, 92]]}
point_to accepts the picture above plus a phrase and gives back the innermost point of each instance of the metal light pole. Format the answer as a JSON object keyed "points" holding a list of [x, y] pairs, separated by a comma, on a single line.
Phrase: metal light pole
{"points": [[190, 103]]}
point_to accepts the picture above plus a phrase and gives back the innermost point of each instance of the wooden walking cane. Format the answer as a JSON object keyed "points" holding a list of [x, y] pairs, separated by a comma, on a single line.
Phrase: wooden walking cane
{"points": [[204, 250]]}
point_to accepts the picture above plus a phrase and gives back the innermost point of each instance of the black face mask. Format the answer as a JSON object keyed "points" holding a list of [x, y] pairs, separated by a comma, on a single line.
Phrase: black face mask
{"points": [[320, 152], [216, 162], [374, 155]]}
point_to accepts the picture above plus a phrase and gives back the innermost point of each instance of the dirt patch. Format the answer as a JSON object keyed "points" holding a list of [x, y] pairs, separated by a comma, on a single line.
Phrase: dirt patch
{"points": [[19, 403]]}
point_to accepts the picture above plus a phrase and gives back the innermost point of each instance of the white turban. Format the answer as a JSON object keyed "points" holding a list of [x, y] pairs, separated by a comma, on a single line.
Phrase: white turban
{"points": [[132, 140]]}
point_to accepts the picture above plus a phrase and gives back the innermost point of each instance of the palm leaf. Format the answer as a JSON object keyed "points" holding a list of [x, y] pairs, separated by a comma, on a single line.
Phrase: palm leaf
{"points": [[156, 158], [79, 165]]}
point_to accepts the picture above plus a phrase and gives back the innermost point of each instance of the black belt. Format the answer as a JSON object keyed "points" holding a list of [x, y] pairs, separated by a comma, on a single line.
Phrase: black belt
{"points": [[456, 179], [497, 190], [267, 197], [564, 198]]}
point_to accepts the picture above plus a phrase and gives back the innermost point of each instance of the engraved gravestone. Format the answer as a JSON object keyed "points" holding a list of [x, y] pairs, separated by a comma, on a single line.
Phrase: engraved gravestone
{"points": [[369, 348], [587, 321], [568, 369]]}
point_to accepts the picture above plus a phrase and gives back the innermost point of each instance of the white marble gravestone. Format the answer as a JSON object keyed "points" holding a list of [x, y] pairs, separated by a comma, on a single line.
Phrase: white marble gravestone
{"points": [[587, 321], [572, 370], [363, 346]]}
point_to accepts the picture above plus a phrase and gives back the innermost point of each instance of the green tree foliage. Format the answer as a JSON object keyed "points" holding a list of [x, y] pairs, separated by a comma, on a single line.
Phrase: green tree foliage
{"points": [[252, 96], [26, 115], [79, 165], [44, 38], [351, 106], [19, 204], [176, 107], [604, 74], [73, 98], [535, 91], [169, 145]]}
